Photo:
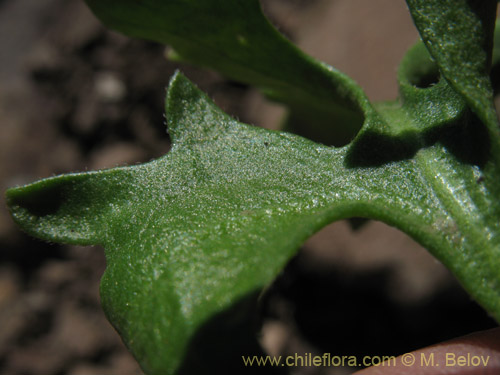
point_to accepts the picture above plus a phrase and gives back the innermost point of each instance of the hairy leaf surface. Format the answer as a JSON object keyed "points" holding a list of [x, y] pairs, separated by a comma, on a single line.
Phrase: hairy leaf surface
{"points": [[459, 36], [190, 235]]}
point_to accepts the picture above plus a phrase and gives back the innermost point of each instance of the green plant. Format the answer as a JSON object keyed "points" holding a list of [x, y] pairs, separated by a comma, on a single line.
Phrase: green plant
{"points": [[192, 236]]}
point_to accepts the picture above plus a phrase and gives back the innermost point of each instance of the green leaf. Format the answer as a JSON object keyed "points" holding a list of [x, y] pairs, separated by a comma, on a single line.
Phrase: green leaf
{"points": [[191, 236], [459, 36], [235, 39]]}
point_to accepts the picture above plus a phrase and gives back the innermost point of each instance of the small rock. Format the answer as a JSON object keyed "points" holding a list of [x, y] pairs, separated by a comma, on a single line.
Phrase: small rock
{"points": [[109, 88]]}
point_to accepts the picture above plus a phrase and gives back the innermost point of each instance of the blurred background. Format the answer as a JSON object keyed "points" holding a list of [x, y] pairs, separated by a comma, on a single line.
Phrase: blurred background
{"points": [[75, 96]]}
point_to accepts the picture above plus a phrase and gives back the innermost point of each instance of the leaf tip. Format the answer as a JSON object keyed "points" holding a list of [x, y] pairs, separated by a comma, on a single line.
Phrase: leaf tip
{"points": [[54, 209], [190, 113]]}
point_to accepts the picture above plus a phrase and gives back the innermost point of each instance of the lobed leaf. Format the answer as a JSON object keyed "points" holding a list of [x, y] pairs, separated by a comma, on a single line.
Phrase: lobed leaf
{"points": [[190, 236]]}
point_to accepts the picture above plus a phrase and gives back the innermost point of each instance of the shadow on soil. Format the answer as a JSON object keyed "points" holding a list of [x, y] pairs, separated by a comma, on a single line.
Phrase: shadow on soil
{"points": [[337, 311]]}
